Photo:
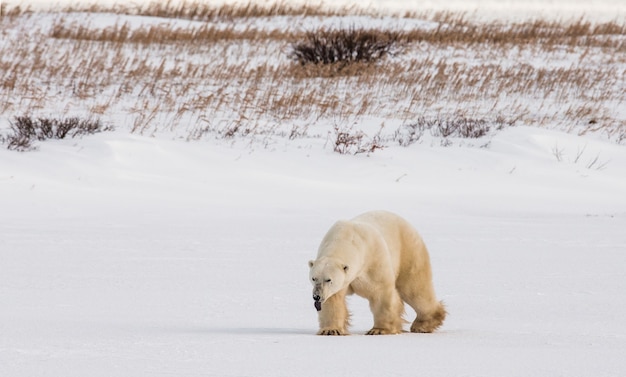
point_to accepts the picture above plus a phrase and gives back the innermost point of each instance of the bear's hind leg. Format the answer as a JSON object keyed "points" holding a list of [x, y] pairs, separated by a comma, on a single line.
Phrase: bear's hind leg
{"points": [[430, 312], [387, 310], [334, 317]]}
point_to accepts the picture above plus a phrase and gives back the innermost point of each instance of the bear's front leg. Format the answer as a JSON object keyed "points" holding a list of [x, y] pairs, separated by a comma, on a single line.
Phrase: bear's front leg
{"points": [[334, 317], [387, 311]]}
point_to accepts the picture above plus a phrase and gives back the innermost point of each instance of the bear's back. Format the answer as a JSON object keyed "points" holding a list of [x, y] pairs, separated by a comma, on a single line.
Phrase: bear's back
{"points": [[403, 242]]}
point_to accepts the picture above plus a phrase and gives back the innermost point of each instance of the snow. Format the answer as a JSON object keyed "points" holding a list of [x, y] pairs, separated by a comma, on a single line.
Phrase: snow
{"points": [[129, 255], [125, 255]]}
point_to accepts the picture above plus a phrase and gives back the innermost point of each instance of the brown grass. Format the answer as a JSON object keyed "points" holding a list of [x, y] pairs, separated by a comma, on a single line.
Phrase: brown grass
{"points": [[232, 79], [547, 34], [7, 12], [159, 34], [201, 11], [541, 33]]}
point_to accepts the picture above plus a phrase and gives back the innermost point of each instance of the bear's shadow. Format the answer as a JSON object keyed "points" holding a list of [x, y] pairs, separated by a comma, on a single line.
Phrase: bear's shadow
{"points": [[238, 330], [259, 331]]}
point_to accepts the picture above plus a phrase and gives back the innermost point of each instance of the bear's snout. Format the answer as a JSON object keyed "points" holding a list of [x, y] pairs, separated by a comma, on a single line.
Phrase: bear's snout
{"points": [[316, 297]]}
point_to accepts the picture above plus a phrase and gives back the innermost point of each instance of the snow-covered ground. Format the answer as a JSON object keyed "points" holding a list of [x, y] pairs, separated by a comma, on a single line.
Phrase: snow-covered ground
{"points": [[129, 255], [132, 256]]}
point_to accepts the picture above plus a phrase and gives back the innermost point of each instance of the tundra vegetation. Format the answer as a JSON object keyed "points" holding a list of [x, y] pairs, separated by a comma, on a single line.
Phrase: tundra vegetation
{"points": [[266, 73]]}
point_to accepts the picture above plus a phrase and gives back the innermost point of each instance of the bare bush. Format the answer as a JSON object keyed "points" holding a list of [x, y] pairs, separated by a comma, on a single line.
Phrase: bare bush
{"points": [[463, 127], [467, 128], [455, 126], [348, 141], [409, 134], [26, 130], [345, 46]]}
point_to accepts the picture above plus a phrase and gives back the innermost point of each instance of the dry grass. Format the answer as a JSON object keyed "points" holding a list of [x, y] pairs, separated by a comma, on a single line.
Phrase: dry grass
{"points": [[7, 12], [544, 34], [202, 11], [547, 34], [159, 34], [236, 78]]}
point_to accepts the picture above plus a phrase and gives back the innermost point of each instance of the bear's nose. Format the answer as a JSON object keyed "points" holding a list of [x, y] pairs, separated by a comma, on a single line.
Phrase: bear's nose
{"points": [[316, 297]]}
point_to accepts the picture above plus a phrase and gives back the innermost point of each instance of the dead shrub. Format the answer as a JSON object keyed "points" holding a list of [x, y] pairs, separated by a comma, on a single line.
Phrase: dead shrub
{"points": [[409, 133], [27, 129], [348, 141], [467, 128], [458, 126], [345, 46]]}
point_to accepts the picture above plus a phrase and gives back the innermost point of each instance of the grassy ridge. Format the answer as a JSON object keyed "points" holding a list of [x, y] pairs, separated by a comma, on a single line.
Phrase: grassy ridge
{"points": [[228, 74]]}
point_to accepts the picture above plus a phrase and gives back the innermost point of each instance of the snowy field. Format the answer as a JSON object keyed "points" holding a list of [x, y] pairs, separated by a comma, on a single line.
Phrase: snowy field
{"points": [[129, 254]]}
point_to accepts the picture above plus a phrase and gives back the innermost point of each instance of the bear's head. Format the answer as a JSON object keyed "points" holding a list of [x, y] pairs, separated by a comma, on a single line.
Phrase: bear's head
{"points": [[328, 277]]}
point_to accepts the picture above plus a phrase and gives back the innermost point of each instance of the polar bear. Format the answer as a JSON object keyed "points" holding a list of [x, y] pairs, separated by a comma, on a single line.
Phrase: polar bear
{"points": [[379, 256]]}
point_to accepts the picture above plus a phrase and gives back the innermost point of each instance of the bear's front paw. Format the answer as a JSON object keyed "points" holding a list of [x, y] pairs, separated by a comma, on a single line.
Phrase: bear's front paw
{"points": [[331, 332], [379, 331]]}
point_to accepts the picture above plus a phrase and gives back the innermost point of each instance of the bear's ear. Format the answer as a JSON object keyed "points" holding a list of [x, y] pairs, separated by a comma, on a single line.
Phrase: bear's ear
{"points": [[345, 268], [311, 263]]}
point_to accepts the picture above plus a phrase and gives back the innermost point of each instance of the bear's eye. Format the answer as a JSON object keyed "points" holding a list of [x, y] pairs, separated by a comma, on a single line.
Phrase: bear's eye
{"points": [[327, 280], [314, 279]]}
